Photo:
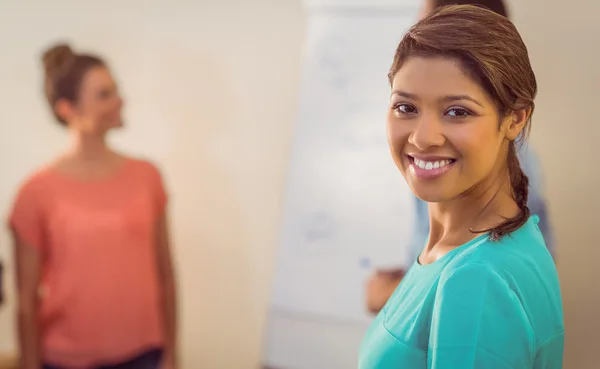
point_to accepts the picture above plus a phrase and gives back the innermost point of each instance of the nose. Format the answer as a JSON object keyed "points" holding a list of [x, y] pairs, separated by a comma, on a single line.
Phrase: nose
{"points": [[427, 132], [119, 102]]}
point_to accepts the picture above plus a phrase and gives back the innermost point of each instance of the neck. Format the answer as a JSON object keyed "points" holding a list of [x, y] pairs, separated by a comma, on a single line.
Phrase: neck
{"points": [[482, 207], [87, 147]]}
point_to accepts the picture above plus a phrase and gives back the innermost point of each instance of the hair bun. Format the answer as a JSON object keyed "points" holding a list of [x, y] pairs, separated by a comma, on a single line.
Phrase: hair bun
{"points": [[56, 57]]}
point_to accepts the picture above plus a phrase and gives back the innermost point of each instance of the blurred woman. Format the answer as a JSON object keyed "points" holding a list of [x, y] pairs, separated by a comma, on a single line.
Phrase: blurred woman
{"points": [[94, 272], [484, 291]]}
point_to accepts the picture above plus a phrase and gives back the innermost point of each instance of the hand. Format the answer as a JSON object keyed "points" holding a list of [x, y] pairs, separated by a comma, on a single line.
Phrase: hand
{"points": [[380, 288], [168, 361]]}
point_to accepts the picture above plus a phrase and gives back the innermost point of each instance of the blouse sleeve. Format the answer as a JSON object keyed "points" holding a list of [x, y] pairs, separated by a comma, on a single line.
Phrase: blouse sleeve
{"points": [[26, 219], [478, 322], [159, 192]]}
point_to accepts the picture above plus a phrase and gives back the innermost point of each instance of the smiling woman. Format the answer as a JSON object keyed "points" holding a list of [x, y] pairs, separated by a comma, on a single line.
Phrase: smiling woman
{"points": [[445, 134], [464, 114], [484, 292]]}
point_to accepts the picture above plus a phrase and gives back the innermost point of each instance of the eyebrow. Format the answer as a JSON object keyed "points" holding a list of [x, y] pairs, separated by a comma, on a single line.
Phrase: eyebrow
{"points": [[449, 98]]}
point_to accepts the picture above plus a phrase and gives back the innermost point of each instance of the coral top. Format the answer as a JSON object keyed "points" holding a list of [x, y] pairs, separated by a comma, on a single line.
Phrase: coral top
{"points": [[100, 293]]}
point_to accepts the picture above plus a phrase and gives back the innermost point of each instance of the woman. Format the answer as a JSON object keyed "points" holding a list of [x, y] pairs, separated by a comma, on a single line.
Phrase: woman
{"points": [[497, 6], [484, 291], [383, 283], [95, 281]]}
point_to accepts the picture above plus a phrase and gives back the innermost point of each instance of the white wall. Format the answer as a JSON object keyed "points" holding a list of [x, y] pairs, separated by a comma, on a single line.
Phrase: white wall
{"points": [[212, 91], [347, 209]]}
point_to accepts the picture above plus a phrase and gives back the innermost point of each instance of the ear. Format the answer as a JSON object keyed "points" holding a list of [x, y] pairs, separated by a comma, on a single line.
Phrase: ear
{"points": [[64, 109], [515, 123]]}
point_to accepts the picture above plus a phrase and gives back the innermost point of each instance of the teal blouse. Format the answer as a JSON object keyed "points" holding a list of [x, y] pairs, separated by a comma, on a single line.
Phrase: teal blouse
{"points": [[484, 305]]}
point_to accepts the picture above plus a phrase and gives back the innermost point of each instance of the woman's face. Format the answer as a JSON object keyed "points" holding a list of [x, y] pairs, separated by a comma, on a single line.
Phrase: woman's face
{"points": [[443, 129], [98, 108]]}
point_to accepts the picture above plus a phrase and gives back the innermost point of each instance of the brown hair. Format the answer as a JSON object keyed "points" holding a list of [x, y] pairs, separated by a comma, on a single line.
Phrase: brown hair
{"points": [[497, 6], [492, 52], [64, 72]]}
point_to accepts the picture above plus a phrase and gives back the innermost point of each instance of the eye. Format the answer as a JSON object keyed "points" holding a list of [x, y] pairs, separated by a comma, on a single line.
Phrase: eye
{"points": [[458, 113], [107, 92], [104, 94], [404, 109]]}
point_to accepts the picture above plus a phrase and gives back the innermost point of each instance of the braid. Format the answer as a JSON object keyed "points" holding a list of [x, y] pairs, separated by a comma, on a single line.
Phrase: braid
{"points": [[520, 188]]}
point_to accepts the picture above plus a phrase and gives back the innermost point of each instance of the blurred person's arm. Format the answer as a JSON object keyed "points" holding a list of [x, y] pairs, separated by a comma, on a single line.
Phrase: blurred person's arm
{"points": [[2, 288], [166, 274], [168, 293], [383, 283], [380, 288], [28, 270], [537, 201], [27, 224], [539, 207]]}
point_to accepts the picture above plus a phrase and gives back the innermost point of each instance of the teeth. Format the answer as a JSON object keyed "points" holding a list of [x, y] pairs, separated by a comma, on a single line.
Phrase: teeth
{"points": [[429, 165]]}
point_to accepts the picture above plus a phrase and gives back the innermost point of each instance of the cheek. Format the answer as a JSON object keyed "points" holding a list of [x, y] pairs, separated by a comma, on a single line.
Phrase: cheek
{"points": [[109, 110], [397, 133], [110, 105], [477, 145]]}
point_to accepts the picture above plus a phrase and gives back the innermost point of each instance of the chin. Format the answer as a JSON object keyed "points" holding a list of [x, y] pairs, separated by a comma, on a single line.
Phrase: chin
{"points": [[428, 197], [115, 125], [433, 193]]}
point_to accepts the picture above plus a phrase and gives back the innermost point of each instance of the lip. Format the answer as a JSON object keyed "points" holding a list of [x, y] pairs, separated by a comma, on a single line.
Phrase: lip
{"points": [[431, 173], [430, 157]]}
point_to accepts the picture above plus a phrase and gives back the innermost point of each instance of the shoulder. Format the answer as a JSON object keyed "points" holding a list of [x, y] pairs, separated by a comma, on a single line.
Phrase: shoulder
{"points": [[30, 202], [146, 172], [37, 183], [513, 278], [519, 249], [478, 290], [520, 258], [143, 166], [521, 266], [470, 274], [478, 319]]}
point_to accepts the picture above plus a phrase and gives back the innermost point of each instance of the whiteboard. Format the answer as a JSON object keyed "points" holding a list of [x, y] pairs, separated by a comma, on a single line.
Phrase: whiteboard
{"points": [[347, 208]]}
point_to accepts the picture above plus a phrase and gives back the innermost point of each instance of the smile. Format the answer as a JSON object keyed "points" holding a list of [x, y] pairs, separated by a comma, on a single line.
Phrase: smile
{"points": [[430, 168]]}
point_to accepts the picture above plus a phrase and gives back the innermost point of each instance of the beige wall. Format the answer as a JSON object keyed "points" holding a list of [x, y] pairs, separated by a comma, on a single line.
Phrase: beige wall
{"points": [[564, 44], [212, 94]]}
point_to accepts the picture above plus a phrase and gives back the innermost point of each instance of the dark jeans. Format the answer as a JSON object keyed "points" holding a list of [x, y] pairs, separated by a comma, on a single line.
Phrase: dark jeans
{"points": [[148, 360]]}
